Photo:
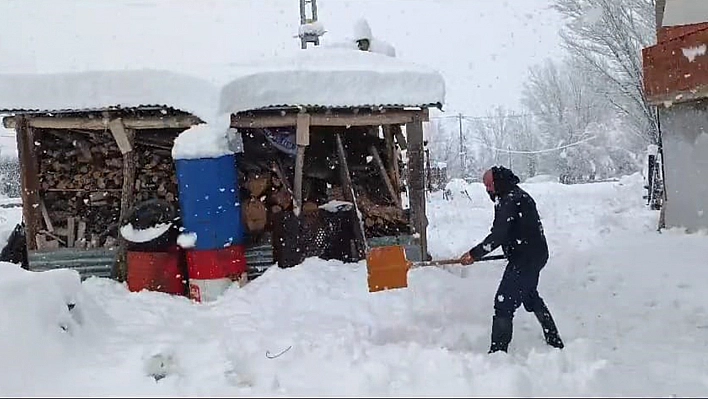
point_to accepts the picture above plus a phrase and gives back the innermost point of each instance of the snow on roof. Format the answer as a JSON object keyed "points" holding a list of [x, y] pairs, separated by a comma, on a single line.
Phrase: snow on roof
{"points": [[327, 77], [334, 77], [105, 89], [685, 12]]}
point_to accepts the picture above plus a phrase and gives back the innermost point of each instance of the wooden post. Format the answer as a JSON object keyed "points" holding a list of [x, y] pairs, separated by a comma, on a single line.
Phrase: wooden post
{"points": [[392, 192], [350, 195], [125, 139], [416, 182], [29, 178], [389, 132], [303, 140]]}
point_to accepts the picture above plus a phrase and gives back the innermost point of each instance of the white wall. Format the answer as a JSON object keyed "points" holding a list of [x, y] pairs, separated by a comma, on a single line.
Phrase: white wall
{"points": [[685, 138], [685, 12]]}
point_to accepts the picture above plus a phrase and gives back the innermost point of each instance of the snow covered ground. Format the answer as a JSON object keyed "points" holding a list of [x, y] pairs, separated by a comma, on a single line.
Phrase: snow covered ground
{"points": [[630, 304]]}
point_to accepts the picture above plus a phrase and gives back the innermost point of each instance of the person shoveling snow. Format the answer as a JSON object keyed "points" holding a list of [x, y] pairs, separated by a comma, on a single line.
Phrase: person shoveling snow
{"points": [[518, 230]]}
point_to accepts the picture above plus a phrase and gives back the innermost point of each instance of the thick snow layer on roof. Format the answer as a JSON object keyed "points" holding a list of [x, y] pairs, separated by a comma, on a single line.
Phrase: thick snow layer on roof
{"points": [[313, 77], [101, 89], [333, 77], [685, 12]]}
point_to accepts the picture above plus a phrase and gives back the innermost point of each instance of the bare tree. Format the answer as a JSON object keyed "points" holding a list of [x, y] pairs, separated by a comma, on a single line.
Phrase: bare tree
{"points": [[607, 37]]}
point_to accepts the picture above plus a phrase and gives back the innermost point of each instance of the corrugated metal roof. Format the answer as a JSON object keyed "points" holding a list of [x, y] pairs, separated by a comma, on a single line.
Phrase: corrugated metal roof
{"points": [[146, 107], [169, 110]]}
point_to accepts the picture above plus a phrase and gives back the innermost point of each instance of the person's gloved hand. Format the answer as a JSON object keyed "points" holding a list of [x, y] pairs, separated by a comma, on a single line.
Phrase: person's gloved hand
{"points": [[466, 259]]}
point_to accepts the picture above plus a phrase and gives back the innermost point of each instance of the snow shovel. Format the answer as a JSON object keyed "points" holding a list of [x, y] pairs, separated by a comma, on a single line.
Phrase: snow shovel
{"points": [[388, 267]]}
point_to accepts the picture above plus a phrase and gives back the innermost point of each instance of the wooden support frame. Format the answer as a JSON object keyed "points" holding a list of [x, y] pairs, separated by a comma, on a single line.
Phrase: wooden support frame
{"points": [[389, 117], [125, 138], [350, 195], [45, 122], [303, 140], [29, 178], [416, 183], [395, 197]]}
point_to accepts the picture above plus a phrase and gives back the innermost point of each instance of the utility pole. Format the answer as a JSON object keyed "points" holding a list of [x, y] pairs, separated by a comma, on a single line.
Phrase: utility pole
{"points": [[463, 151], [308, 37], [508, 149]]}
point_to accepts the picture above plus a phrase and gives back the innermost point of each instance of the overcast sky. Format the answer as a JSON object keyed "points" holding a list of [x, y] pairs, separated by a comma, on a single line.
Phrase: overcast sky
{"points": [[482, 47]]}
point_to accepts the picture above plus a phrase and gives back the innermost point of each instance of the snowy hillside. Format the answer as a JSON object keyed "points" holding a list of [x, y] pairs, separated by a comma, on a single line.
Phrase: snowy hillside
{"points": [[628, 301]]}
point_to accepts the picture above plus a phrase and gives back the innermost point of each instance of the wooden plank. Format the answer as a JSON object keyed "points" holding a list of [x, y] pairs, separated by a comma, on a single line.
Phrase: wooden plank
{"points": [[119, 134], [303, 140], [375, 119], [45, 122], [382, 169], [350, 195], [81, 235], [45, 216], [71, 232], [416, 182], [127, 199], [303, 129], [29, 179], [392, 155]]}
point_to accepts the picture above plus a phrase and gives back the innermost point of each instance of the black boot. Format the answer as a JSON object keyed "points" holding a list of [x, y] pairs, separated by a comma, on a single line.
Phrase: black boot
{"points": [[502, 329], [550, 332]]}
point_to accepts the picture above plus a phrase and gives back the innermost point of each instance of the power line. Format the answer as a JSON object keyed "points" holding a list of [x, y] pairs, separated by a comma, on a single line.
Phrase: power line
{"points": [[509, 151], [512, 115]]}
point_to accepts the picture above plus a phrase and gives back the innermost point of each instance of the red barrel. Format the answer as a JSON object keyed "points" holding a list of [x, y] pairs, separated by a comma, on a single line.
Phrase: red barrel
{"points": [[157, 271], [212, 271]]}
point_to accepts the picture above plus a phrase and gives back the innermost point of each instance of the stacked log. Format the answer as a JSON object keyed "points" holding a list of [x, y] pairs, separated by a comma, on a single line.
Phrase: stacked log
{"points": [[379, 220], [81, 177]]}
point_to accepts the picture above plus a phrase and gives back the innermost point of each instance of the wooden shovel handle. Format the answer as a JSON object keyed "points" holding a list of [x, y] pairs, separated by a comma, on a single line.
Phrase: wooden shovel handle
{"points": [[455, 261]]}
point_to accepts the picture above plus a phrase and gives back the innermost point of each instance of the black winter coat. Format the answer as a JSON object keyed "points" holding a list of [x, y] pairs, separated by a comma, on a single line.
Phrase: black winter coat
{"points": [[517, 229]]}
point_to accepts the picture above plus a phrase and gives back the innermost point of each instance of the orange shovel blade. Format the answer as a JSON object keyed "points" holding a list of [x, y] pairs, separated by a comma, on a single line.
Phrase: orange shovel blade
{"points": [[387, 268]]}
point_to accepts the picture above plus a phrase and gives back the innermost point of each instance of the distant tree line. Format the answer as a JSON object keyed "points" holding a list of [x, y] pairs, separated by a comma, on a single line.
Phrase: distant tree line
{"points": [[584, 117]]}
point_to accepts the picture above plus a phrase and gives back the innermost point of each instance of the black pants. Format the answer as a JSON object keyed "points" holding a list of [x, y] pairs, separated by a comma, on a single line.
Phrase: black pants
{"points": [[518, 286]]}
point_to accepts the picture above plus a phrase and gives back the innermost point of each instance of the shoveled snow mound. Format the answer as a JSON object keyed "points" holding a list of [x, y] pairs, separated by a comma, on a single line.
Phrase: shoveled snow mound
{"points": [[38, 332], [628, 301], [542, 179]]}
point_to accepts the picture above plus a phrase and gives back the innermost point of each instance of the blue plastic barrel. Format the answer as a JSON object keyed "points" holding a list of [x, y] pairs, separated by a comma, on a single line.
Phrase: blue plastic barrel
{"points": [[209, 201]]}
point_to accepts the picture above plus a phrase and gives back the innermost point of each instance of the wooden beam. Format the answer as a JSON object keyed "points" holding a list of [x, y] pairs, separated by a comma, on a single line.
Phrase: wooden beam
{"points": [[29, 179], [416, 182], [45, 122], [119, 134], [289, 120], [350, 195], [127, 200], [303, 140], [392, 153], [382, 170]]}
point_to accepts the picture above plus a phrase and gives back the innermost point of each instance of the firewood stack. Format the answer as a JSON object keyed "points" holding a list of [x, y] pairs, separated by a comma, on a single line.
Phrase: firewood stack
{"points": [[81, 177]]}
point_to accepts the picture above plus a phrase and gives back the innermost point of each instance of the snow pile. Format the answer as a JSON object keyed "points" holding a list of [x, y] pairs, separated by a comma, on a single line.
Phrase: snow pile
{"points": [[692, 52], [628, 302], [206, 140], [187, 240], [543, 179], [312, 29], [143, 235], [42, 315]]}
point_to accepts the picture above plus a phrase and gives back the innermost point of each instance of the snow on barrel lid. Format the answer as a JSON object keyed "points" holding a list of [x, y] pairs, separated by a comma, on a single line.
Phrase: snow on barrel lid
{"points": [[206, 140]]}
